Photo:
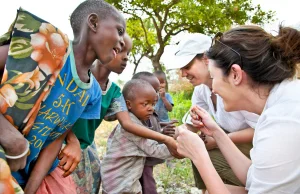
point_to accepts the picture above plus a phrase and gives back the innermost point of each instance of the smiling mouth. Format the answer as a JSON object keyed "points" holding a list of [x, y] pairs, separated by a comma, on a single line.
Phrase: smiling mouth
{"points": [[123, 65], [190, 78]]}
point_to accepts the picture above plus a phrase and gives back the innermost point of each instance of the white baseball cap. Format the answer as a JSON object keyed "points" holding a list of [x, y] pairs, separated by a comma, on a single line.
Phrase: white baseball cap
{"points": [[189, 47]]}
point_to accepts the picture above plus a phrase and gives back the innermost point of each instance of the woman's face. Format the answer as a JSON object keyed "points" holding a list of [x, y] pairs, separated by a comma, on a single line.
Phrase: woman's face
{"points": [[224, 86], [196, 72]]}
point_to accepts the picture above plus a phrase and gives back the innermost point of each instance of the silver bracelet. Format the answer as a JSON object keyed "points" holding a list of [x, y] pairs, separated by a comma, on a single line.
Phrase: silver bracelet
{"points": [[21, 155]]}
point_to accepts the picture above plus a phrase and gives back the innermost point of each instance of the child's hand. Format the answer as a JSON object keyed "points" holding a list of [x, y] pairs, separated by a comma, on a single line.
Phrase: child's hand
{"points": [[210, 142], [172, 147], [69, 157], [162, 92], [169, 130]]}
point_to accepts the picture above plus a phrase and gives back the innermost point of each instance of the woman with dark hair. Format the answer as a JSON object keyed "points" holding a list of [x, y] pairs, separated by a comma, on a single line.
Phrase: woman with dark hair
{"points": [[191, 60], [254, 71]]}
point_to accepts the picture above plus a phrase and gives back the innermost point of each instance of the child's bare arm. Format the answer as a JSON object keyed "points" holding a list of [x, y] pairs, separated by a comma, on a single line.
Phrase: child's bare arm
{"points": [[144, 132], [166, 102], [43, 164]]}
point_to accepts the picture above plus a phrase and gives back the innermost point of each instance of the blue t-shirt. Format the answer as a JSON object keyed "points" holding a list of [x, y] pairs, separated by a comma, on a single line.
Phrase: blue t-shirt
{"points": [[161, 110], [69, 99]]}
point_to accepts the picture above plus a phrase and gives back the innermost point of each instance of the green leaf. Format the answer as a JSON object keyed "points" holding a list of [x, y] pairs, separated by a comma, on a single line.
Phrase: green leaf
{"points": [[24, 93], [20, 48], [5, 37], [23, 106], [26, 98], [18, 86], [27, 23]]}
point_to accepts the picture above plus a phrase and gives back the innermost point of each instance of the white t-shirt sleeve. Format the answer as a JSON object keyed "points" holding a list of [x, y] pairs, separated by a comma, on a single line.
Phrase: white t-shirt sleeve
{"points": [[198, 97], [275, 157]]}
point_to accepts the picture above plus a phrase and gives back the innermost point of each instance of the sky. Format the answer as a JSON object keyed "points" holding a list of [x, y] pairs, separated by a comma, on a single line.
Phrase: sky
{"points": [[57, 12]]}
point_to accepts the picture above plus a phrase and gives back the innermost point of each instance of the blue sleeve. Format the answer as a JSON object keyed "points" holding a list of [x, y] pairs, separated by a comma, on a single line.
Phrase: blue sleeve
{"points": [[93, 108], [169, 98]]}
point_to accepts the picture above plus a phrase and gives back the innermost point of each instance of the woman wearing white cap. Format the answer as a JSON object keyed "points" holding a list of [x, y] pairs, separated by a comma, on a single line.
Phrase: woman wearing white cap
{"points": [[191, 60], [255, 71]]}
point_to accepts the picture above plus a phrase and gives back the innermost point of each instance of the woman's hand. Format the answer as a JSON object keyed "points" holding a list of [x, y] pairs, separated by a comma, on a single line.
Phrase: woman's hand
{"points": [[202, 120], [189, 144]]}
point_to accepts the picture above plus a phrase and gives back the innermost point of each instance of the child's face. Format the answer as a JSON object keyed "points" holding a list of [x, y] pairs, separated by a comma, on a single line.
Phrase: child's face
{"points": [[119, 63], [107, 40], [143, 105], [162, 81]]}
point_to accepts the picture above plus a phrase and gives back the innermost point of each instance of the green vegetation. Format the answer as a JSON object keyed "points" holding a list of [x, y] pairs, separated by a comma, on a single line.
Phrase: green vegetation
{"points": [[182, 103]]}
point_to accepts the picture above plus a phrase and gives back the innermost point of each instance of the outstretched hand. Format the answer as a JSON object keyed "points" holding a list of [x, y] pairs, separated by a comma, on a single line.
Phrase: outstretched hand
{"points": [[172, 147], [169, 130]]}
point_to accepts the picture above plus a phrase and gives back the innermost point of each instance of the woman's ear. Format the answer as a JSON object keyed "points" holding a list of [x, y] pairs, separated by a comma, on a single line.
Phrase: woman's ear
{"points": [[236, 73], [205, 59], [128, 104], [93, 22]]}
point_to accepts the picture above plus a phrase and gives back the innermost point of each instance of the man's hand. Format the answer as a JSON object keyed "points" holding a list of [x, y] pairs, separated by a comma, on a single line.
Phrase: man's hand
{"points": [[13, 143], [70, 155]]}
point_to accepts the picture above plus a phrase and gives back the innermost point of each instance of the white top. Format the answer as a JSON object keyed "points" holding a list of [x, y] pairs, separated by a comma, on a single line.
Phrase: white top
{"points": [[229, 121], [275, 155]]}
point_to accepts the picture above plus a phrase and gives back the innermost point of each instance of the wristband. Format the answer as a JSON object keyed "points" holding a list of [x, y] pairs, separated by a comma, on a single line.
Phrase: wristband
{"points": [[21, 155]]}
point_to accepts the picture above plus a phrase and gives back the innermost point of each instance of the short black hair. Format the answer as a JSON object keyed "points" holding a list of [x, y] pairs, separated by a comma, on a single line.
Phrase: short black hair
{"points": [[160, 73], [100, 7], [142, 74], [134, 87]]}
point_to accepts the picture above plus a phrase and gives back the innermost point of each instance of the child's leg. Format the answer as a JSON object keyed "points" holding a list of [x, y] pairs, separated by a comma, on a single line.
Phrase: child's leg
{"points": [[147, 181]]}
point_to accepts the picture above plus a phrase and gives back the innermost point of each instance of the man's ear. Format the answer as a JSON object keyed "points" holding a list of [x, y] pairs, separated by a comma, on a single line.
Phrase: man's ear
{"points": [[236, 74], [93, 21], [128, 103]]}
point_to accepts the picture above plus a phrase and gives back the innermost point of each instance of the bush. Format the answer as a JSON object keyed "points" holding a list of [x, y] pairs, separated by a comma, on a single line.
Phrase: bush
{"points": [[182, 103]]}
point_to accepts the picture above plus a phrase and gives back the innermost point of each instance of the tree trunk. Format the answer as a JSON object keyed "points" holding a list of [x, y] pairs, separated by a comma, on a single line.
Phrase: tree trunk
{"points": [[135, 67], [156, 65]]}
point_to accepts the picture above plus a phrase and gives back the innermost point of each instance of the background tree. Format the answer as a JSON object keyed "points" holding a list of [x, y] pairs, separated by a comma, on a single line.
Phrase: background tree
{"points": [[152, 23]]}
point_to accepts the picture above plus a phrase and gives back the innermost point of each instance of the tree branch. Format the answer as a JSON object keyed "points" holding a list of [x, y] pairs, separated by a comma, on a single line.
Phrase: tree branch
{"points": [[136, 62]]}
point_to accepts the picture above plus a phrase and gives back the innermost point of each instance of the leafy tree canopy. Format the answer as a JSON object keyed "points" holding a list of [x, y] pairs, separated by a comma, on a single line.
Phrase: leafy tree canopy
{"points": [[152, 23]]}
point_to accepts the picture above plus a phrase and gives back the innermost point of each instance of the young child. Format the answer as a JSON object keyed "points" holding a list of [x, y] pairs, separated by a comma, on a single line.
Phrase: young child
{"points": [[165, 103], [147, 180], [126, 154], [98, 34]]}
